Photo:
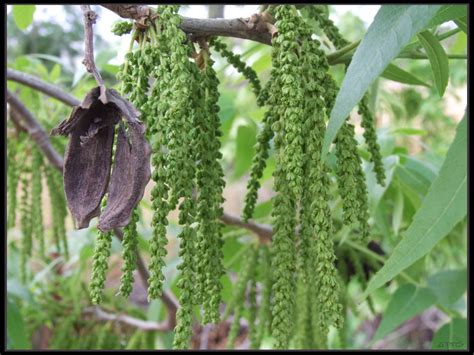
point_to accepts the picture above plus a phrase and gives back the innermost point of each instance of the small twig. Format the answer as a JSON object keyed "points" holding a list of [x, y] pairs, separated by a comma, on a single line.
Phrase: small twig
{"points": [[90, 18], [141, 324], [168, 299], [264, 232], [34, 130]]}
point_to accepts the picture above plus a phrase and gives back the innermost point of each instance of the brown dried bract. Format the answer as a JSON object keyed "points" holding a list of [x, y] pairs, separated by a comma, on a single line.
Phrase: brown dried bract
{"points": [[88, 160]]}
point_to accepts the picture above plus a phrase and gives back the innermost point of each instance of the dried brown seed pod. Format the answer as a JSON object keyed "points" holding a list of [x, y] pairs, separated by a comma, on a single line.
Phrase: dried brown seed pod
{"points": [[130, 175], [88, 157]]}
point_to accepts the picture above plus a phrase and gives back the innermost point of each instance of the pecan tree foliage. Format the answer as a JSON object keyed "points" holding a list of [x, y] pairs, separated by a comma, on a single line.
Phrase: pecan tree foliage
{"points": [[172, 95]]}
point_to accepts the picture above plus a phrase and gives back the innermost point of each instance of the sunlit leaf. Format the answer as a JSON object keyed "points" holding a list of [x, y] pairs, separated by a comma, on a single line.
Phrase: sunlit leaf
{"points": [[443, 207], [438, 60], [392, 29]]}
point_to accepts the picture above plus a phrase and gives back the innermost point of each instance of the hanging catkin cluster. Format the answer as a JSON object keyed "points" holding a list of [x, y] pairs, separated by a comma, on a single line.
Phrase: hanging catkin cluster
{"points": [[300, 95], [370, 135], [26, 171], [178, 97], [255, 270]]}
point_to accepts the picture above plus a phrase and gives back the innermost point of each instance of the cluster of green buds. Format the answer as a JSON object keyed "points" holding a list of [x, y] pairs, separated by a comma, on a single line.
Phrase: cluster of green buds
{"points": [[121, 28]]}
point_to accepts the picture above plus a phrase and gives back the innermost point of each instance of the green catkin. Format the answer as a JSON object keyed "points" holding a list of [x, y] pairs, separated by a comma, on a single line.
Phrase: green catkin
{"points": [[258, 166], [357, 262], [368, 122], [342, 331], [234, 327], [210, 184], [36, 202], [264, 312], [13, 174], [238, 63], [247, 271], [351, 182], [302, 339], [184, 316], [53, 195], [287, 106], [129, 254], [370, 135], [180, 132], [61, 212], [253, 336], [157, 108], [25, 222], [262, 148], [100, 264], [329, 310]]}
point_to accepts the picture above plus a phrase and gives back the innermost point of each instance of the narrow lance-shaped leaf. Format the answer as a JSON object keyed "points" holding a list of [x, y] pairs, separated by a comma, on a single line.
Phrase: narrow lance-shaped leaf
{"points": [[444, 206], [448, 13], [395, 73], [438, 60], [406, 302], [451, 336], [462, 23], [392, 29]]}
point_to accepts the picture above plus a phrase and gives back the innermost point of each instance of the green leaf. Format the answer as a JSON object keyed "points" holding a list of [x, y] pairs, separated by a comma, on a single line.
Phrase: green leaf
{"points": [[16, 332], [392, 72], [462, 23], [410, 131], [55, 73], [406, 302], [263, 209], [451, 336], [392, 29], [245, 141], [448, 286], [438, 60], [398, 212], [376, 191], [23, 15], [443, 207], [448, 13]]}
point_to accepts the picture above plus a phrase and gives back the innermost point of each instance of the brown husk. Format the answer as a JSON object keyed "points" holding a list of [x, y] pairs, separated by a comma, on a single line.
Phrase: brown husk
{"points": [[88, 159]]}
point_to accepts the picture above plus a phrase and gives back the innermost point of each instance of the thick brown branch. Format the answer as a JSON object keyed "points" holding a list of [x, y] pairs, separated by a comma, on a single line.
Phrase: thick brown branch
{"points": [[37, 84], [34, 130], [253, 28]]}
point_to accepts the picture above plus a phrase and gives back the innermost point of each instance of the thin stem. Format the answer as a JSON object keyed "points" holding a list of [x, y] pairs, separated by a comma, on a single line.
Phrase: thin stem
{"points": [[423, 56], [90, 18], [379, 258], [448, 34]]}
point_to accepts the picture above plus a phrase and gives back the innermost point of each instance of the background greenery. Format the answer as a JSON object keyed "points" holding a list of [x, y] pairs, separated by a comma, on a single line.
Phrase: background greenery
{"points": [[416, 126]]}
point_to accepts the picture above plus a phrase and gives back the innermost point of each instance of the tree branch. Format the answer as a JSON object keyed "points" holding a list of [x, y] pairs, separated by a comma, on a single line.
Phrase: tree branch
{"points": [[253, 28], [141, 324], [38, 84], [263, 232], [34, 130]]}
